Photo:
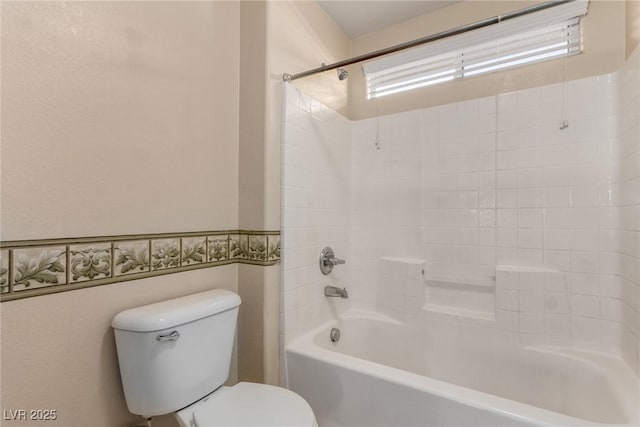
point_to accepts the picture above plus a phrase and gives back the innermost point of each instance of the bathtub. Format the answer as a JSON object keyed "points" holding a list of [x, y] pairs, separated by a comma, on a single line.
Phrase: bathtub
{"points": [[385, 373]]}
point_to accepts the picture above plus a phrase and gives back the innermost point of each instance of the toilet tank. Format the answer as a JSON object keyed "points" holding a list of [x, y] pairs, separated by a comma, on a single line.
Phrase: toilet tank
{"points": [[175, 352]]}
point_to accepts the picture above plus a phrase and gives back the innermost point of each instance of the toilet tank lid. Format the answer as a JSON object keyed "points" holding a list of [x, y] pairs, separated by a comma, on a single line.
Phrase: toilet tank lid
{"points": [[174, 312]]}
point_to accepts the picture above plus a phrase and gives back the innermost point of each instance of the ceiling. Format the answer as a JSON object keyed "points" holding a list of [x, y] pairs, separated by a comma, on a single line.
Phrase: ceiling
{"points": [[359, 17]]}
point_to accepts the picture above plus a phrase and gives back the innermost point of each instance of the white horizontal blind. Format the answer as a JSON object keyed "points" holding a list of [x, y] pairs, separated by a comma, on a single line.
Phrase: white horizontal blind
{"points": [[536, 37]]}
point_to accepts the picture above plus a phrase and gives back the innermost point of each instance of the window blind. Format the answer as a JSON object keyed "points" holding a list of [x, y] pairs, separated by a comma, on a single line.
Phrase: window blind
{"points": [[539, 36]]}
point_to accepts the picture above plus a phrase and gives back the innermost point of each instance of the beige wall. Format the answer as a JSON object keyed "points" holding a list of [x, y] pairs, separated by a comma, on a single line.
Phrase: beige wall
{"points": [[105, 123], [251, 183], [632, 25], [603, 35], [58, 351], [302, 36], [117, 118]]}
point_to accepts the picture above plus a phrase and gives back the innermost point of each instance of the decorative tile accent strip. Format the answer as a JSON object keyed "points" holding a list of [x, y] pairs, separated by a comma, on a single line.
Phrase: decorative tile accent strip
{"points": [[274, 247], [38, 267], [89, 262], [258, 248], [131, 257], [239, 247], [218, 248], [194, 250], [4, 271], [165, 253]]}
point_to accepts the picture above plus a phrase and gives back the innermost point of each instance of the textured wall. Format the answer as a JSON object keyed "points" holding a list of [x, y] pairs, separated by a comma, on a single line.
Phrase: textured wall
{"points": [[105, 123], [118, 117], [632, 27]]}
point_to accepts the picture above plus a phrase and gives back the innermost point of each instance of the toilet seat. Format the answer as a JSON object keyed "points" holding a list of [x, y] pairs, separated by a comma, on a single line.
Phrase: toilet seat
{"points": [[249, 404]]}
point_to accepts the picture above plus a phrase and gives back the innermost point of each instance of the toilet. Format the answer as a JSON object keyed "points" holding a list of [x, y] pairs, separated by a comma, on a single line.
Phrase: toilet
{"points": [[175, 355]]}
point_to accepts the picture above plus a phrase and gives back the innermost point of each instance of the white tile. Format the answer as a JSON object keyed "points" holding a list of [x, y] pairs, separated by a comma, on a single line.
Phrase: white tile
{"points": [[530, 158], [528, 281], [507, 159], [507, 178], [557, 303], [584, 218], [530, 218], [559, 218], [507, 320], [530, 257], [585, 306], [487, 105], [584, 240], [585, 328], [611, 332], [531, 323], [507, 299], [584, 284], [584, 262], [559, 239], [557, 197], [555, 176], [558, 324], [507, 198], [611, 309], [528, 178], [557, 259], [507, 279], [507, 218], [584, 196], [532, 302], [530, 238], [530, 198], [556, 282]]}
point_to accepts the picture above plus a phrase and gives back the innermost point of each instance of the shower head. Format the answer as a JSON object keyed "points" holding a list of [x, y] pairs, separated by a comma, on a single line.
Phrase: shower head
{"points": [[342, 73]]}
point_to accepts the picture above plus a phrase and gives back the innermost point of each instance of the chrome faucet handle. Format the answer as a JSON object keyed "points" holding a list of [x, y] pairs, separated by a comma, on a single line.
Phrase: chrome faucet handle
{"points": [[336, 261], [328, 260]]}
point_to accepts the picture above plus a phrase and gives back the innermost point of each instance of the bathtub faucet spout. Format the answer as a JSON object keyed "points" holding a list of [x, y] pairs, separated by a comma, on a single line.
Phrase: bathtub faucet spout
{"points": [[334, 291]]}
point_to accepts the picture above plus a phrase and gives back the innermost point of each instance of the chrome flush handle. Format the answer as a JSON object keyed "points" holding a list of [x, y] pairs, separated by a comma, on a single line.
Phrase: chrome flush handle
{"points": [[173, 336]]}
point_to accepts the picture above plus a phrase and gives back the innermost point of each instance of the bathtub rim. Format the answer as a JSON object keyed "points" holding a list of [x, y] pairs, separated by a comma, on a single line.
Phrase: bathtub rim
{"points": [[305, 345]]}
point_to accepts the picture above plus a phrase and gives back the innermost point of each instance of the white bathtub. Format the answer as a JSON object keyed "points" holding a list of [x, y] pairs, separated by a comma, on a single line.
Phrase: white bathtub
{"points": [[384, 373]]}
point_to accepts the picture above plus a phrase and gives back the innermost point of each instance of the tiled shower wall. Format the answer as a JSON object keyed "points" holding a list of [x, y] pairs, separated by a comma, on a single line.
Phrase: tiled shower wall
{"points": [[532, 195], [524, 179], [315, 210], [627, 283]]}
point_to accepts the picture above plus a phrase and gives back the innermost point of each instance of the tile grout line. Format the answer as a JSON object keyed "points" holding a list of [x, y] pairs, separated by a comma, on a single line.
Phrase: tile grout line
{"points": [[10, 272], [67, 262]]}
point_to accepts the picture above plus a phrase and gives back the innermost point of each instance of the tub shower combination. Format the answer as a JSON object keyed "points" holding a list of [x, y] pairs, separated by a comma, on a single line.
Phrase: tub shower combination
{"points": [[364, 368], [382, 372], [491, 247]]}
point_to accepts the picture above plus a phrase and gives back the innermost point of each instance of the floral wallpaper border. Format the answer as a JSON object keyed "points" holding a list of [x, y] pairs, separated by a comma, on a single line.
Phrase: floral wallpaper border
{"points": [[38, 267]]}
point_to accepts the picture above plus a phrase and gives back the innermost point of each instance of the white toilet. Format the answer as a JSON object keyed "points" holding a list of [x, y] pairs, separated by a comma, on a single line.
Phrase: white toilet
{"points": [[175, 355]]}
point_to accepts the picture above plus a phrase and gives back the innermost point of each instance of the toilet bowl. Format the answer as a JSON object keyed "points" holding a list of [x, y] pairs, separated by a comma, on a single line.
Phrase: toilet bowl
{"points": [[248, 404], [175, 356]]}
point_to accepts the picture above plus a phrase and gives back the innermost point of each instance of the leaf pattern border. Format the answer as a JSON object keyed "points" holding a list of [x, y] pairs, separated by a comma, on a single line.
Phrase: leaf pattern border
{"points": [[100, 267]]}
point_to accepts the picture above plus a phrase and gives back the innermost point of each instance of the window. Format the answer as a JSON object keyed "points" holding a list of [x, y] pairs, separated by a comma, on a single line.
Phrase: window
{"points": [[538, 36]]}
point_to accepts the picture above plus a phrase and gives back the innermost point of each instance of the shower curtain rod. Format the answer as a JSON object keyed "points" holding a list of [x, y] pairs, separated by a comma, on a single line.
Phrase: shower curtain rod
{"points": [[427, 39]]}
